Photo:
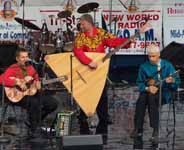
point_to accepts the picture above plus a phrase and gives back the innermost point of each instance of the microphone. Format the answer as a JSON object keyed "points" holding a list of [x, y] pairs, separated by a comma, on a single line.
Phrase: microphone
{"points": [[27, 63], [115, 19], [44, 32], [160, 70], [78, 27], [22, 3], [146, 19], [44, 28]]}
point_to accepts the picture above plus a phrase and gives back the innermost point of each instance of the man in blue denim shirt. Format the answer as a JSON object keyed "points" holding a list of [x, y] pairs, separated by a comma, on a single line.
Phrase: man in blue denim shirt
{"points": [[149, 75]]}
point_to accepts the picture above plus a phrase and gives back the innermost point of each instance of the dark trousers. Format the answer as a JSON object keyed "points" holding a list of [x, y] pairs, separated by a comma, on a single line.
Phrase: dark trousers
{"points": [[144, 100], [38, 107], [102, 112]]}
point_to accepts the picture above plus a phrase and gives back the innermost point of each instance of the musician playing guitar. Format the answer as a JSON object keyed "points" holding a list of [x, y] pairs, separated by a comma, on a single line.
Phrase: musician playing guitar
{"points": [[150, 73], [93, 39], [21, 77]]}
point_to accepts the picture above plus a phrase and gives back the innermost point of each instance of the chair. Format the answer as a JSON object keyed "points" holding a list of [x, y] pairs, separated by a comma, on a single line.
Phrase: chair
{"points": [[5, 104], [7, 57]]}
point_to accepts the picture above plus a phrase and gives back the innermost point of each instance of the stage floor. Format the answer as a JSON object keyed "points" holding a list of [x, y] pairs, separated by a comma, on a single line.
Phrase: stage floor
{"points": [[122, 100]]}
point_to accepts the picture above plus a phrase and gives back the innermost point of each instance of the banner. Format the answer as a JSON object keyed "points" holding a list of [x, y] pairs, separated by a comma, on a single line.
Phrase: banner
{"points": [[121, 21], [126, 21], [173, 22]]}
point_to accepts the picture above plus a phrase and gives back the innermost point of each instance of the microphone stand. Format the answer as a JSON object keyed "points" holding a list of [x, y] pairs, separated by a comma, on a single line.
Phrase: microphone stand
{"points": [[71, 86], [23, 18], [3, 138], [145, 57], [115, 22], [110, 16], [159, 110], [94, 10]]}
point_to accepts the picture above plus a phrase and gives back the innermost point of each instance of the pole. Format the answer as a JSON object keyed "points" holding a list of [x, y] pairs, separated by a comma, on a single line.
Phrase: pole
{"points": [[110, 15]]}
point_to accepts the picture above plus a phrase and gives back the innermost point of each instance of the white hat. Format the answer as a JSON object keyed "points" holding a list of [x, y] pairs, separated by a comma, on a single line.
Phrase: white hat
{"points": [[153, 49]]}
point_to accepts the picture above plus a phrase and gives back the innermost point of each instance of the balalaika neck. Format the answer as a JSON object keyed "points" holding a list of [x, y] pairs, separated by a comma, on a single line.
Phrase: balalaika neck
{"points": [[108, 55]]}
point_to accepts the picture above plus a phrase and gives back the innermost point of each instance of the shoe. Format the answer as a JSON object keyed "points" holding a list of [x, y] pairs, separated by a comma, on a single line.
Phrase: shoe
{"points": [[109, 119], [84, 128], [27, 123], [34, 133], [47, 129], [104, 139], [138, 142], [85, 132], [154, 137], [135, 133]]}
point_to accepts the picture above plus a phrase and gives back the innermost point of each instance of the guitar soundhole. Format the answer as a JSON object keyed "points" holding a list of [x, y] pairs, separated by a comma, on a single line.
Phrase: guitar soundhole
{"points": [[15, 93], [28, 85]]}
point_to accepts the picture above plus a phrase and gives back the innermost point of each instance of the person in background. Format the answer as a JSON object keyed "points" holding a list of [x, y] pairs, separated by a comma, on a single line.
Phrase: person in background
{"points": [[93, 39], [149, 75]]}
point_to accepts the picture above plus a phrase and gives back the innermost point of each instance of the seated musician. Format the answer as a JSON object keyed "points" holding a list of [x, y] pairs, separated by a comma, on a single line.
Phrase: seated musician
{"points": [[22, 77], [149, 75]]}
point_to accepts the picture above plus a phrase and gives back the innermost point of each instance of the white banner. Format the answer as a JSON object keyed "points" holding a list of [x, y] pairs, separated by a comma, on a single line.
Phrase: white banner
{"points": [[173, 22], [124, 21]]}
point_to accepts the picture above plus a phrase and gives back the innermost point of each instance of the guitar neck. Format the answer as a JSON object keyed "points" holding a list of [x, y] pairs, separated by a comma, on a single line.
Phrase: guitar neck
{"points": [[108, 55], [163, 80], [63, 78], [171, 75]]}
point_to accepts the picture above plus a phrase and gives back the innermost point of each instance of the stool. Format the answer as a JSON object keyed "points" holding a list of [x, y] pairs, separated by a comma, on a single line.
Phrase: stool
{"points": [[5, 104], [5, 110]]}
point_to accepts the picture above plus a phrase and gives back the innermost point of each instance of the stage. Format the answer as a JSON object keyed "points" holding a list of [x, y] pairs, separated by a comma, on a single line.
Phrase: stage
{"points": [[122, 99]]}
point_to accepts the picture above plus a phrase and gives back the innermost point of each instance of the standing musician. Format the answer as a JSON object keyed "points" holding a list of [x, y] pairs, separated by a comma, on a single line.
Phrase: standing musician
{"points": [[149, 75], [93, 39], [24, 77]]}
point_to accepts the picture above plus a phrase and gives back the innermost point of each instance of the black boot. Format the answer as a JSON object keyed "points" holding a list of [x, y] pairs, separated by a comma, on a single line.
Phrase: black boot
{"points": [[136, 133], [155, 135], [84, 127], [104, 139]]}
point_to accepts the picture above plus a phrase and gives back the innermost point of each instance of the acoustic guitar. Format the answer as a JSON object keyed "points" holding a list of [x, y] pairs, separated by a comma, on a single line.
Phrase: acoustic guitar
{"points": [[15, 94]]}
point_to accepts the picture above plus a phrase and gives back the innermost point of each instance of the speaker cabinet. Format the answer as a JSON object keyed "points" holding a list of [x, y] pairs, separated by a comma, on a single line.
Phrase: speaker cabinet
{"points": [[174, 53], [7, 54], [82, 142]]}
